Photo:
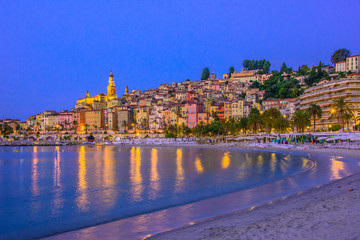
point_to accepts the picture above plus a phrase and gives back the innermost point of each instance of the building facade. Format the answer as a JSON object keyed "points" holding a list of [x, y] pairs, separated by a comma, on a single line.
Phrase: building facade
{"points": [[324, 94]]}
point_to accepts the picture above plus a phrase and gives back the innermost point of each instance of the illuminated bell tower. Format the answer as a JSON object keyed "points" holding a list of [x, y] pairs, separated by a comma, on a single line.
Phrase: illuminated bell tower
{"points": [[111, 89], [126, 90]]}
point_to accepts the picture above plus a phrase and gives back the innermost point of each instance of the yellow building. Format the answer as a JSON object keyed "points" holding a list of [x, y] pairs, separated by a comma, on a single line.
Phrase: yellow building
{"points": [[324, 94], [237, 108], [142, 117], [99, 105], [94, 120], [111, 94]]}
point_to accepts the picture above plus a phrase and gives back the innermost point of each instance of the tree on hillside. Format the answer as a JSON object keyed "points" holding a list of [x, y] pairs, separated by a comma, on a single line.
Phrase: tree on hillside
{"points": [[315, 111], [231, 70], [246, 63], [319, 68], [266, 66], [205, 74], [257, 64], [285, 69], [340, 55]]}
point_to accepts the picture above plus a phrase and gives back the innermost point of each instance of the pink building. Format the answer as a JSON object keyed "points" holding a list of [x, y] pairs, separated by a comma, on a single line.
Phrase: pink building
{"points": [[65, 119], [193, 110]]}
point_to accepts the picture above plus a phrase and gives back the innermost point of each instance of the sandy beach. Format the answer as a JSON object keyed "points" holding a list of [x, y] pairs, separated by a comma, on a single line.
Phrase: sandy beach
{"points": [[327, 212]]}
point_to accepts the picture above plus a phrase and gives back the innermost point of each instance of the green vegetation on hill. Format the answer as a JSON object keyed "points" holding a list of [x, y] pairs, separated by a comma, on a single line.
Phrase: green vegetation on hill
{"points": [[257, 64], [278, 86], [315, 75]]}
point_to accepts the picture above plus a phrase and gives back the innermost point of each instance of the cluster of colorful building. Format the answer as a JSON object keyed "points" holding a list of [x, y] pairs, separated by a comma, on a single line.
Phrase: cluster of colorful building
{"points": [[190, 103], [185, 103]]}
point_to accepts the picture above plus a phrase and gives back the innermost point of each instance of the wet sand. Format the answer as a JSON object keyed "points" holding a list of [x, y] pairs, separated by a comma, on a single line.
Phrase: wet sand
{"points": [[328, 212]]}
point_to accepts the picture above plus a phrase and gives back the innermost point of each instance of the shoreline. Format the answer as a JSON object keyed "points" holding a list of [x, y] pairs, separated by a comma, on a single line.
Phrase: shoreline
{"points": [[177, 232], [293, 217]]}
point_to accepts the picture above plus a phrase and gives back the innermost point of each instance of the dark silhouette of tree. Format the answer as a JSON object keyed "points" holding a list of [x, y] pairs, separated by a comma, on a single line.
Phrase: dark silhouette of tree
{"points": [[205, 74], [340, 55]]}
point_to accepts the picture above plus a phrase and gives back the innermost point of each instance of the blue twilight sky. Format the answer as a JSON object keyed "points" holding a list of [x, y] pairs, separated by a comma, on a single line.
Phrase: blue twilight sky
{"points": [[51, 52]]}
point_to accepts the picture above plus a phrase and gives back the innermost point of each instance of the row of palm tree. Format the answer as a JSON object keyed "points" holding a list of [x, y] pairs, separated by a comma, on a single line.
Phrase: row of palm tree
{"points": [[270, 120], [341, 109]]}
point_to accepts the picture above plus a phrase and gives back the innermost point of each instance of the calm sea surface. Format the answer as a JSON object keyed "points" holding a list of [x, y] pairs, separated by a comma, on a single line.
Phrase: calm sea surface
{"points": [[48, 190]]}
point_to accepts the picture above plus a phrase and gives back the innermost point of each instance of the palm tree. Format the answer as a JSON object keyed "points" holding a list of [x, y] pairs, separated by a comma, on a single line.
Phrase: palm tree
{"points": [[144, 123], [314, 111], [243, 124], [347, 117], [74, 124], [38, 125], [86, 128], [254, 120], [341, 107], [301, 119], [269, 116], [124, 124], [281, 125]]}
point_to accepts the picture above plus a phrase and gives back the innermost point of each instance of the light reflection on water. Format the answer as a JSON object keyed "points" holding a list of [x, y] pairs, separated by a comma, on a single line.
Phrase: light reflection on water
{"points": [[82, 199], [63, 188], [179, 171]]}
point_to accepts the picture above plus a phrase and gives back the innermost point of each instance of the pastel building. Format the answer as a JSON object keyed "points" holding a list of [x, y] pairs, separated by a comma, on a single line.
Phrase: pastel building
{"points": [[193, 110], [340, 66], [324, 94], [353, 63], [94, 120], [65, 119], [49, 120]]}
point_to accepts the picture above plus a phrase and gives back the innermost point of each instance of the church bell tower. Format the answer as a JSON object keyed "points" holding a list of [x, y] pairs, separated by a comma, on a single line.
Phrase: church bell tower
{"points": [[111, 88]]}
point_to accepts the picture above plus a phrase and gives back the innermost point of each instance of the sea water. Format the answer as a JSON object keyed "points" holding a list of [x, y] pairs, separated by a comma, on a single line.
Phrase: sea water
{"points": [[49, 190]]}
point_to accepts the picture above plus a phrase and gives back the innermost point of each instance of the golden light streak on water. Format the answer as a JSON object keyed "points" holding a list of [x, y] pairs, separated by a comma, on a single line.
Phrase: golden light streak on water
{"points": [[35, 205], [109, 176], [337, 167], [35, 173], [154, 175], [57, 170], [135, 174], [273, 162], [225, 160], [179, 171], [198, 165], [57, 201], [260, 161], [82, 198]]}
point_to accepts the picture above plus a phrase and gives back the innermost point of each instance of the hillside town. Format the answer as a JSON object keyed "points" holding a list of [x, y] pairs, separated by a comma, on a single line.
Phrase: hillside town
{"points": [[243, 97]]}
